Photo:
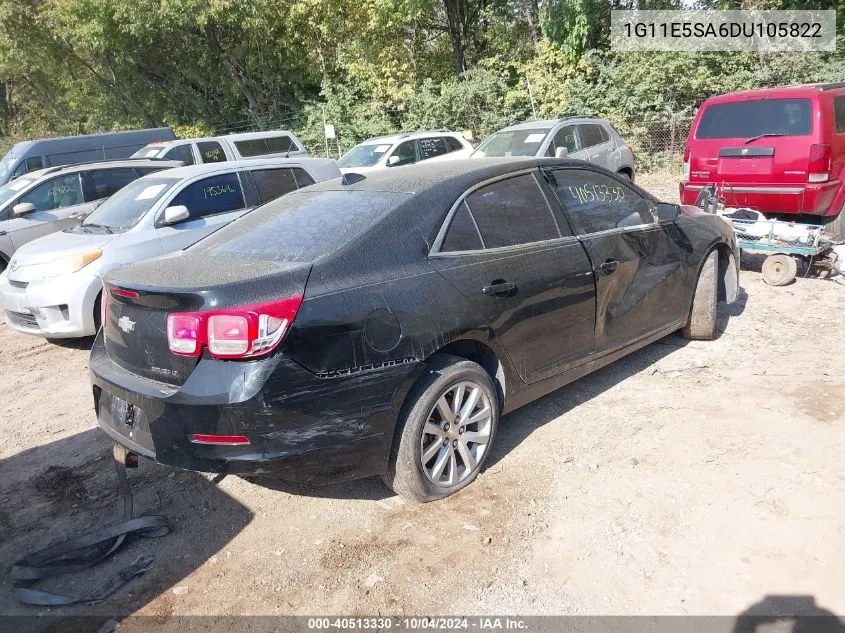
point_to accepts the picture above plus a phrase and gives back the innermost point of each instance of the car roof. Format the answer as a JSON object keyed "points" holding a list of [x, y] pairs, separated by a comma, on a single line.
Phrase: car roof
{"points": [[547, 124], [233, 137], [421, 176], [102, 164], [799, 90], [325, 167], [23, 146], [404, 136]]}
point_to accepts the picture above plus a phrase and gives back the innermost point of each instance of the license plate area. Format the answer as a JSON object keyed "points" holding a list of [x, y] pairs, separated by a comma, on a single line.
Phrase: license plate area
{"points": [[125, 418]]}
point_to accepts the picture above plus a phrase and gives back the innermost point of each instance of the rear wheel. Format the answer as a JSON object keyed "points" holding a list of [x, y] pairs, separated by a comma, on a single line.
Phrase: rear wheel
{"points": [[779, 270], [702, 319], [446, 430]]}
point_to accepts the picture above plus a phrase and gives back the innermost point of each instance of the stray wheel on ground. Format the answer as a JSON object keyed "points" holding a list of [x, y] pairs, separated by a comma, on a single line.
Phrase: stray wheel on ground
{"points": [[446, 429], [702, 319], [779, 270]]}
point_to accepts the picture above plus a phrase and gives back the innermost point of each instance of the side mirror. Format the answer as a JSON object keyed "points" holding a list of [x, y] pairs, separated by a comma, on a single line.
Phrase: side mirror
{"points": [[667, 212], [561, 152], [391, 162], [174, 215], [23, 208]]}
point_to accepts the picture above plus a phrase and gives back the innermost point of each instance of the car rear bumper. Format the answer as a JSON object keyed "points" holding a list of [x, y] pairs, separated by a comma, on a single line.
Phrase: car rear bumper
{"points": [[301, 427], [810, 198], [62, 307]]}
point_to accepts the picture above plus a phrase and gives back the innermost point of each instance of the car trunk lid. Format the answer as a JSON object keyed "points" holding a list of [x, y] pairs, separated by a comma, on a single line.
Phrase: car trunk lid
{"points": [[135, 325]]}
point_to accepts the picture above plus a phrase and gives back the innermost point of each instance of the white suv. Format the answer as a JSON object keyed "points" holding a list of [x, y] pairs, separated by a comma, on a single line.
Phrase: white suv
{"points": [[404, 149], [586, 138]]}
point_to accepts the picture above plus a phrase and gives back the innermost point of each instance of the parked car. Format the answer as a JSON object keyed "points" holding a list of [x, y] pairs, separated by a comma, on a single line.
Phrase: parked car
{"points": [[396, 150], [52, 287], [775, 150], [52, 199], [216, 149], [384, 326], [582, 137], [29, 156]]}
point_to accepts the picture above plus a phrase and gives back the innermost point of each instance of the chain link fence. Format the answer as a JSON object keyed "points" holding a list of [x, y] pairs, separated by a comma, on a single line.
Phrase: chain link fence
{"points": [[657, 141]]}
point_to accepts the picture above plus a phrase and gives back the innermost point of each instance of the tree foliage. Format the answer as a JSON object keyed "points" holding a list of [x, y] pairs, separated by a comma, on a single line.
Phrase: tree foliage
{"points": [[367, 66]]}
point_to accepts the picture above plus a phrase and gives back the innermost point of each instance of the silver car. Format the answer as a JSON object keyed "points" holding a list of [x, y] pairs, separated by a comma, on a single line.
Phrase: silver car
{"points": [[52, 285], [583, 137], [52, 199]]}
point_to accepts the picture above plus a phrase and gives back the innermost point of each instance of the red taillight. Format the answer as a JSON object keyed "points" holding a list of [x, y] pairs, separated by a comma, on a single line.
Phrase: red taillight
{"points": [[183, 334], [239, 332], [230, 440], [819, 168], [687, 153]]}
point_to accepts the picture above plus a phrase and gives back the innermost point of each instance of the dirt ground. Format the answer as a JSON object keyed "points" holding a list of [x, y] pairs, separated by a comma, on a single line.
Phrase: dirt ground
{"points": [[687, 478]]}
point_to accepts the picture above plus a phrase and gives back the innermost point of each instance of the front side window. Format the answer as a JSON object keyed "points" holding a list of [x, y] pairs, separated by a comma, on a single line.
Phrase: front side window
{"points": [[406, 153], [595, 202], [211, 152], [34, 164], [591, 134], [181, 152], [511, 212], [747, 119], [566, 137], [216, 194], [106, 182], [56, 193], [431, 147]]}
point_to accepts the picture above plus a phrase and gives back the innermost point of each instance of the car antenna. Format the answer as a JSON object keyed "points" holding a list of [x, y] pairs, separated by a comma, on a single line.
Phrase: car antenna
{"points": [[351, 178]]}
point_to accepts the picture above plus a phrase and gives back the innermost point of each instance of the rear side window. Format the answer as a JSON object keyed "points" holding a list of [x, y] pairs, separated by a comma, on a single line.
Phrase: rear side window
{"points": [[273, 183], [431, 147], [217, 194], [303, 178], [746, 119], [211, 152], [595, 202], [267, 145], [105, 182], [34, 164], [56, 193], [511, 212], [453, 143], [181, 152], [839, 113], [591, 134], [462, 234]]}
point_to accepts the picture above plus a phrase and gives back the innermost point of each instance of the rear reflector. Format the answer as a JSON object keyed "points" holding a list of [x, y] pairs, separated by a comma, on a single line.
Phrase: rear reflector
{"points": [[126, 294], [237, 332], [229, 440]]}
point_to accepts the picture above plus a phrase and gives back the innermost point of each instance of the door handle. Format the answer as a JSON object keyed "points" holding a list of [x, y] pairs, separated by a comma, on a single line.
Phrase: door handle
{"points": [[609, 266], [498, 287]]}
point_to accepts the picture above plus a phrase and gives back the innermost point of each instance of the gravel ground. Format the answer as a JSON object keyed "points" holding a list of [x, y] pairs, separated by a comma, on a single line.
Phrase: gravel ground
{"points": [[687, 478]]}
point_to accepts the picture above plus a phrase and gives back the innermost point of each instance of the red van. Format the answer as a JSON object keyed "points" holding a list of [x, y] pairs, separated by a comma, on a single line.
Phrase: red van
{"points": [[777, 150]]}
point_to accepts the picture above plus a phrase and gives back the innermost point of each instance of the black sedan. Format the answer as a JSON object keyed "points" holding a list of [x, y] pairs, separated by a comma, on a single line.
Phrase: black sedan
{"points": [[383, 325]]}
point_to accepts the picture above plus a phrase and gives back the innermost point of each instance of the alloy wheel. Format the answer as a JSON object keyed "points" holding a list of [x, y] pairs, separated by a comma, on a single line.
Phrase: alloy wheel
{"points": [[456, 434]]}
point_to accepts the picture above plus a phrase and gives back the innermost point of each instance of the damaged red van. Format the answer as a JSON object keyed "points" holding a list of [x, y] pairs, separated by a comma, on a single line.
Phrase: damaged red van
{"points": [[776, 150]]}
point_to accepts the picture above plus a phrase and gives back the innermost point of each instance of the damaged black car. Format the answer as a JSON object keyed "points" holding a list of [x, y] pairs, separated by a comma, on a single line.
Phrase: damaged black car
{"points": [[384, 325]]}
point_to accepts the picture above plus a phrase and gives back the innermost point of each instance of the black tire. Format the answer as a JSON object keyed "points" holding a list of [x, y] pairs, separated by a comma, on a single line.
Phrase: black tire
{"points": [[626, 175], [98, 310], [444, 377], [779, 270], [701, 325]]}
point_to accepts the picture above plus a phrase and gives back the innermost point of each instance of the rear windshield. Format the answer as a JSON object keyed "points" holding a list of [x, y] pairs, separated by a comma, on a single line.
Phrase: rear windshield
{"points": [[301, 226], [747, 119]]}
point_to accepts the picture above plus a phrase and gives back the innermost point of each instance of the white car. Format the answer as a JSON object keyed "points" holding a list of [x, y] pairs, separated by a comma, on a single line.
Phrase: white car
{"points": [[52, 285], [404, 149], [217, 149]]}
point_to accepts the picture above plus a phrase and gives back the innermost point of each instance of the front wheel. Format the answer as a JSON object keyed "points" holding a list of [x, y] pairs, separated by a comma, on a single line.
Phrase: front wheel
{"points": [[446, 430]]}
